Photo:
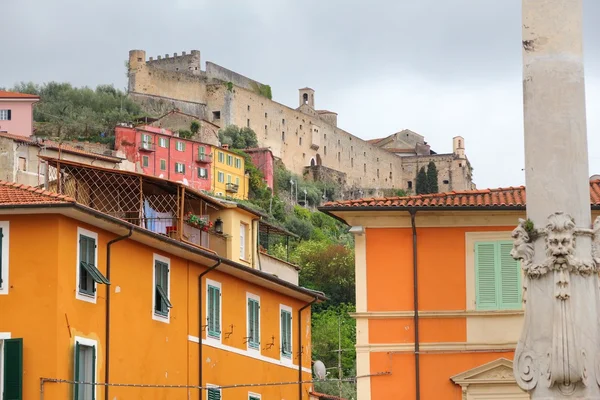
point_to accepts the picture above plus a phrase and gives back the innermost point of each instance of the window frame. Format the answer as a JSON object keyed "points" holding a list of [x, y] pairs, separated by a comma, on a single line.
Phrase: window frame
{"points": [[220, 177], [4, 257], [238, 163], [243, 239], [163, 164], [177, 171], [254, 396], [284, 356], [145, 161], [180, 145], [221, 157], [253, 345], [229, 160], [215, 336], [210, 387], [205, 175], [163, 142], [90, 298], [81, 341], [156, 315], [5, 114]]}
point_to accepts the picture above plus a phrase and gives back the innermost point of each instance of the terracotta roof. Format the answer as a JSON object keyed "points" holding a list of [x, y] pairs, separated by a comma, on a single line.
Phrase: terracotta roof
{"points": [[511, 197], [50, 144], [15, 95], [373, 141], [16, 193], [326, 112], [323, 396], [398, 150]]}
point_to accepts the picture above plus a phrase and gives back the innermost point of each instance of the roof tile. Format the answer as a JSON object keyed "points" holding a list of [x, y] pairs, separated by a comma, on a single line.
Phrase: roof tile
{"points": [[18, 194], [16, 95]]}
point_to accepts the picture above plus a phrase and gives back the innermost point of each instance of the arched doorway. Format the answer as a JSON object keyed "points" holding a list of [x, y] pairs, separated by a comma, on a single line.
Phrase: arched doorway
{"points": [[312, 162]]}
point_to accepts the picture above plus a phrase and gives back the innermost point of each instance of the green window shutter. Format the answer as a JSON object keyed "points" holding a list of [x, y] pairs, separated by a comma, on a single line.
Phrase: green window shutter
{"points": [[13, 369], [214, 309], [485, 276], [510, 277], [253, 323], [76, 368], [257, 323], [94, 372], [286, 333], [214, 394], [162, 302]]}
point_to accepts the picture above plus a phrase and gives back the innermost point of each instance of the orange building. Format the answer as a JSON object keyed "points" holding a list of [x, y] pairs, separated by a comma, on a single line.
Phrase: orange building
{"points": [[438, 296], [104, 281]]}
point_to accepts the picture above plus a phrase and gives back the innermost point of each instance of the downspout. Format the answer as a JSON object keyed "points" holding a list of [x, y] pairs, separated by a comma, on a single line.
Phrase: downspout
{"points": [[256, 222], [200, 323], [300, 346], [413, 214], [107, 315]]}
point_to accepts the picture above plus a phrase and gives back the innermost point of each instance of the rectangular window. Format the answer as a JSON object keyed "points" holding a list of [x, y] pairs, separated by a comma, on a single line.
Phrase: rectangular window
{"points": [[180, 168], [4, 259], [88, 274], [85, 369], [162, 142], [283, 137], [214, 310], [180, 146], [228, 178], [253, 321], [202, 173], [300, 141], [253, 396], [145, 161], [237, 180], [243, 241], [22, 164], [229, 159], [238, 163], [146, 138], [162, 304], [286, 332], [221, 157], [248, 123], [202, 153], [163, 165], [216, 115], [213, 394], [497, 277], [221, 177], [5, 115], [11, 368]]}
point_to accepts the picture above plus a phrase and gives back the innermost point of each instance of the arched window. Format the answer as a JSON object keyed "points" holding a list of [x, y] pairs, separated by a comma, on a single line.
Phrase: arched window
{"points": [[305, 98]]}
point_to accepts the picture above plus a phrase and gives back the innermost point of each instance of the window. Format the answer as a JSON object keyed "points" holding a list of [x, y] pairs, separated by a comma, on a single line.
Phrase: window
{"points": [[4, 260], [22, 164], [216, 115], [201, 153], [243, 241], [161, 301], [238, 163], [237, 180], [145, 161], [253, 318], [325, 150], [283, 136], [283, 121], [339, 142], [202, 173], [85, 368], [221, 157], [410, 184], [5, 115], [300, 127], [378, 172], [163, 165], [229, 159], [146, 142], [221, 177], [180, 168], [213, 394], [253, 396], [88, 274], [365, 168], [497, 277], [162, 142], [300, 141], [248, 123], [248, 107], [265, 115], [286, 332], [228, 178], [180, 146], [352, 162], [11, 367], [446, 181], [213, 314]]}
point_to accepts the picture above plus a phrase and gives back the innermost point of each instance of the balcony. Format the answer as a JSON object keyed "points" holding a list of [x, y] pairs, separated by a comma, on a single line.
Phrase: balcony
{"points": [[204, 158], [232, 188], [281, 269], [145, 146]]}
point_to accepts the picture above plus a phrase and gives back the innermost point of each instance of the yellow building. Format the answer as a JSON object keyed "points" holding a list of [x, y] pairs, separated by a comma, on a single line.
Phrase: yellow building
{"points": [[229, 178], [125, 288]]}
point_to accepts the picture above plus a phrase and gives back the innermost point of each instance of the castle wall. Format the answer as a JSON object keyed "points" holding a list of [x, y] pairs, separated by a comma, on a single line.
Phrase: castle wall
{"points": [[215, 71], [158, 105], [189, 63], [454, 173]]}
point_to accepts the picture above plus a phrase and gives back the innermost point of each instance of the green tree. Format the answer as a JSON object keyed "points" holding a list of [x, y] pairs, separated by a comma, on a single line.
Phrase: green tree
{"points": [[401, 193], [432, 178], [421, 185], [238, 138], [194, 127], [185, 134]]}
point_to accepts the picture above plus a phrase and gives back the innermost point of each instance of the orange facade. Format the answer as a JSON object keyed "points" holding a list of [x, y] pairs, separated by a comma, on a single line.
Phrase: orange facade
{"points": [[43, 306]]}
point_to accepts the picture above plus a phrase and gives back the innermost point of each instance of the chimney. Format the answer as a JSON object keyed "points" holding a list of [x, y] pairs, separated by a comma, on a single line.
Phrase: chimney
{"points": [[225, 146]]}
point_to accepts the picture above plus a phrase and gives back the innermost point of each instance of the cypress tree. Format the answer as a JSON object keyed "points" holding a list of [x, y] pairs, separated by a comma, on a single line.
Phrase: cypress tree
{"points": [[432, 178], [421, 185]]}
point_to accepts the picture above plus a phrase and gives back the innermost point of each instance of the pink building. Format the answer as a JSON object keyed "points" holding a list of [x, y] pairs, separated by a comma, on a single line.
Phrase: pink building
{"points": [[157, 152], [262, 158], [16, 113]]}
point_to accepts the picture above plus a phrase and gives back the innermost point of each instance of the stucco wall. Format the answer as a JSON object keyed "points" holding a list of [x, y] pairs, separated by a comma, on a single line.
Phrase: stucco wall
{"points": [[21, 121]]}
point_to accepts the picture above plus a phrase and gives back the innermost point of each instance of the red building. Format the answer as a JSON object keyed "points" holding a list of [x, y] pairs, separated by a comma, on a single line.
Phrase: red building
{"points": [[262, 158], [159, 153]]}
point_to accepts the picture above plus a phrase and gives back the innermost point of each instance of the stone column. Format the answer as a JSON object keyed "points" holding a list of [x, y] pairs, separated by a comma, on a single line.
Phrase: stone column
{"points": [[557, 356]]}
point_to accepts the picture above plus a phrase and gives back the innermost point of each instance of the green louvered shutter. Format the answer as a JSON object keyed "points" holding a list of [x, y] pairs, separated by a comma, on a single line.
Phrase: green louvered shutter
{"points": [[13, 369], [76, 368], [214, 394], [510, 278], [214, 311], [93, 372], [253, 323], [486, 284]]}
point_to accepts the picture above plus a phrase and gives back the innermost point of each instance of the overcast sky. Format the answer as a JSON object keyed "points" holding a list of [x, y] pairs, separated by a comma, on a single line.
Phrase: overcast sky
{"points": [[439, 67]]}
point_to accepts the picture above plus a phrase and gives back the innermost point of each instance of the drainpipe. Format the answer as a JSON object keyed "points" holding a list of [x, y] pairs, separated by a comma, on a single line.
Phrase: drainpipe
{"points": [[256, 225], [200, 323], [300, 346], [107, 315], [413, 214]]}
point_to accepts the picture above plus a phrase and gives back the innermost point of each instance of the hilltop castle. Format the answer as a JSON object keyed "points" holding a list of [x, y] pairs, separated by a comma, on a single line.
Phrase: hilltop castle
{"points": [[305, 139]]}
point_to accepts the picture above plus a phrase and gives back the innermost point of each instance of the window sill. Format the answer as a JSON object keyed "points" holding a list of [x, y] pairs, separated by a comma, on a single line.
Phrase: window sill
{"points": [[87, 297], [161, 318]]}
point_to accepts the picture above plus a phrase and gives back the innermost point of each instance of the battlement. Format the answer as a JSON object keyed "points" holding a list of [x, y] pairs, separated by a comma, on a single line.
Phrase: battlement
{"points": [[181, 63]]}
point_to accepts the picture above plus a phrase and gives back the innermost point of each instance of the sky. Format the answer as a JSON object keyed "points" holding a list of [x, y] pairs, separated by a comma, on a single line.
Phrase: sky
{"points": [[441, 68]]}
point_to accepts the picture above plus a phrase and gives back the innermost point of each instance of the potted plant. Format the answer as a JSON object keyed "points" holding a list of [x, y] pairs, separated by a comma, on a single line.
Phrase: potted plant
{"points": [[202, 223]]}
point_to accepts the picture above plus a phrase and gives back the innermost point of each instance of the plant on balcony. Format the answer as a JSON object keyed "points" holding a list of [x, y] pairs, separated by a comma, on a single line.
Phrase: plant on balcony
{"points": [[202, 223]]}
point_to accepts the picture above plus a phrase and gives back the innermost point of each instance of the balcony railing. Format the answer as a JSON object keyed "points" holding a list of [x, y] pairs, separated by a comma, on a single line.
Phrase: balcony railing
{"points": [[145, 146], [232, 188], [204, 158]]}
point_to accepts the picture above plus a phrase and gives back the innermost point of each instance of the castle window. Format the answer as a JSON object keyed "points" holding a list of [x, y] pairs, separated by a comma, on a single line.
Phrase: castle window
{"points": [[324, 136], [300, 141], [300, 127], [378, 172], [410, 184], [283, 136], [377, 159], [305, 98], [446, 181], [339, 142], [283, 121], [325, 150], [352, 162], [139, 59], [216, 115], [390, 174], [248, 123], [364, 153], [460, 164], [248, 107], [365, 168], [339, 156], [265, 115]]}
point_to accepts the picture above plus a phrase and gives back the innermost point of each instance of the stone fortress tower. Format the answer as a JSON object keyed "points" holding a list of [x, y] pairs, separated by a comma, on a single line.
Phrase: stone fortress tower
{"points": [[305, 139]]}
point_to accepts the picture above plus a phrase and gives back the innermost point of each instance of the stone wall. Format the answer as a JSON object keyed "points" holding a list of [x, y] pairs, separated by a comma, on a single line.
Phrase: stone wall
{"points": [[208, 132], [214, 71], [454, 173], [158, 105], [184, 63]]}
